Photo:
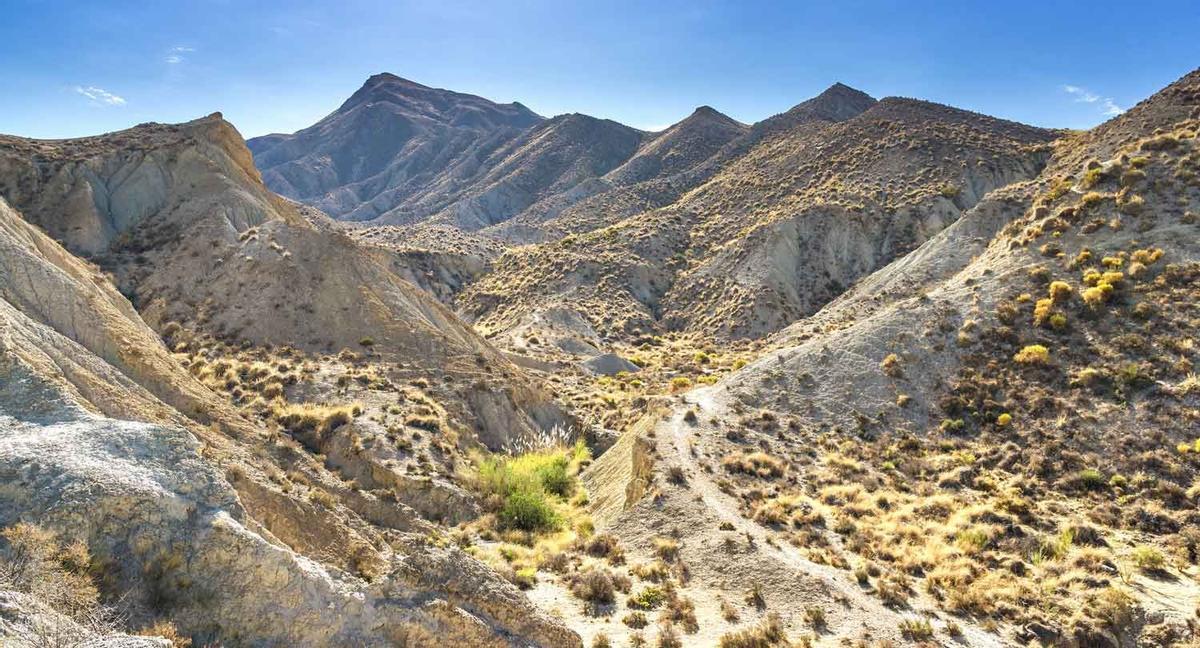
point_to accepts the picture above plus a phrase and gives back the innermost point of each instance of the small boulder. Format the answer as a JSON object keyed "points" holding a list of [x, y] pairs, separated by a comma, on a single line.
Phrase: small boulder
{"points": [[609, 364]]}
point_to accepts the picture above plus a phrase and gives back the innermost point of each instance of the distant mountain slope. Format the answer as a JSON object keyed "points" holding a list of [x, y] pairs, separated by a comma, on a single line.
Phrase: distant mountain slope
{"points": [[554, 157], [778, 222], [632, 190], [663, 166], [679, 148], [391, 140]]}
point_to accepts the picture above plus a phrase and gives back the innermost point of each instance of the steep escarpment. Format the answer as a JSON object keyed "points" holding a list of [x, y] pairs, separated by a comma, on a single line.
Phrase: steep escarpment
{"points": [[160, 206]]}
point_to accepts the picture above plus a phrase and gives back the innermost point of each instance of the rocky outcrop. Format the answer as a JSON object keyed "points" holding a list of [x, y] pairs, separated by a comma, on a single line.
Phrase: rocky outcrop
{"points": [[175, 537], [94, 447], [92, 194]]}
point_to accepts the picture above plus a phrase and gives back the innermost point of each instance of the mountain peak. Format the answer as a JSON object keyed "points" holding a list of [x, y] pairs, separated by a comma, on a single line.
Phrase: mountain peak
{"points": [[838, 102], [844, 94], [388, 86], [388, 77], [707, 115], [405, 96]]}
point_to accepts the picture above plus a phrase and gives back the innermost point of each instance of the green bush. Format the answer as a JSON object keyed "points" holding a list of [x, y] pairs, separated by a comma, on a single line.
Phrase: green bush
{"points": [[1148, 558], [529, 511], [648, 599], [526, 485], [552, 475], [1091, 479]]}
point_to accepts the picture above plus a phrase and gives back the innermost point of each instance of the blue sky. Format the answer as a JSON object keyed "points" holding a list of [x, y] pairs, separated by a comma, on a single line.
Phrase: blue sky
{"points": [[79, 68]]}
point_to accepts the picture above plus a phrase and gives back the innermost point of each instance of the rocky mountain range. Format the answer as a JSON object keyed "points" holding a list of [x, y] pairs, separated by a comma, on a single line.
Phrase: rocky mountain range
{"points": [[438, 370]]}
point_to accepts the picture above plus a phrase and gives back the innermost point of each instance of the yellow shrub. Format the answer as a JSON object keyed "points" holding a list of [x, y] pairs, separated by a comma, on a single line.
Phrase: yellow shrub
{"points": [[307, 417], [1033, 354], [1093, 297], [1042, 310], [1147, 256], [1060, 291]]}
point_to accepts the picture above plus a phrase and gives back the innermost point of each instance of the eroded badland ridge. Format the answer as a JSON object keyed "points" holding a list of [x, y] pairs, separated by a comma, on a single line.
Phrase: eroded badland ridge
{"points": [[439, 370]]}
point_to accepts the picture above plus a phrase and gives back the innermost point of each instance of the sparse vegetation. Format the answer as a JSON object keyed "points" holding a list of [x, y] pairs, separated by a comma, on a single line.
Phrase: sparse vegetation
{"points": [[597, 586], [1148, 559], [648, 598], [998, 428], [758, 464], [309, 417], [36, 561]]}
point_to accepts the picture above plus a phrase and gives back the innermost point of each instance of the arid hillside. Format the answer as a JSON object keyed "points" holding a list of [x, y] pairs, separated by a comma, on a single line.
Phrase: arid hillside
{"points": [[556, 156], [662, 168], [995, 433], [439, 371]]}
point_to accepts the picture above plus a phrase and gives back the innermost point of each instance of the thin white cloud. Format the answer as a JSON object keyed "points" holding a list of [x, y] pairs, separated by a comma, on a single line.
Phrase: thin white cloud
{"points": [[175, 54], [1106, 104], [100, 96]]}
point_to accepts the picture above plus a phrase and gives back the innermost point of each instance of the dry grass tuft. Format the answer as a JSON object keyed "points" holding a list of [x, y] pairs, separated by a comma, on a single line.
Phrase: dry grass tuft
{"points": [[758, 464], [768, 632]]}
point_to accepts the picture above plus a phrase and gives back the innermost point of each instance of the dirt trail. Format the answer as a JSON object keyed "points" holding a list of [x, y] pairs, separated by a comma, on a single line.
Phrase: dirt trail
{"points": [[678, 431]]}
